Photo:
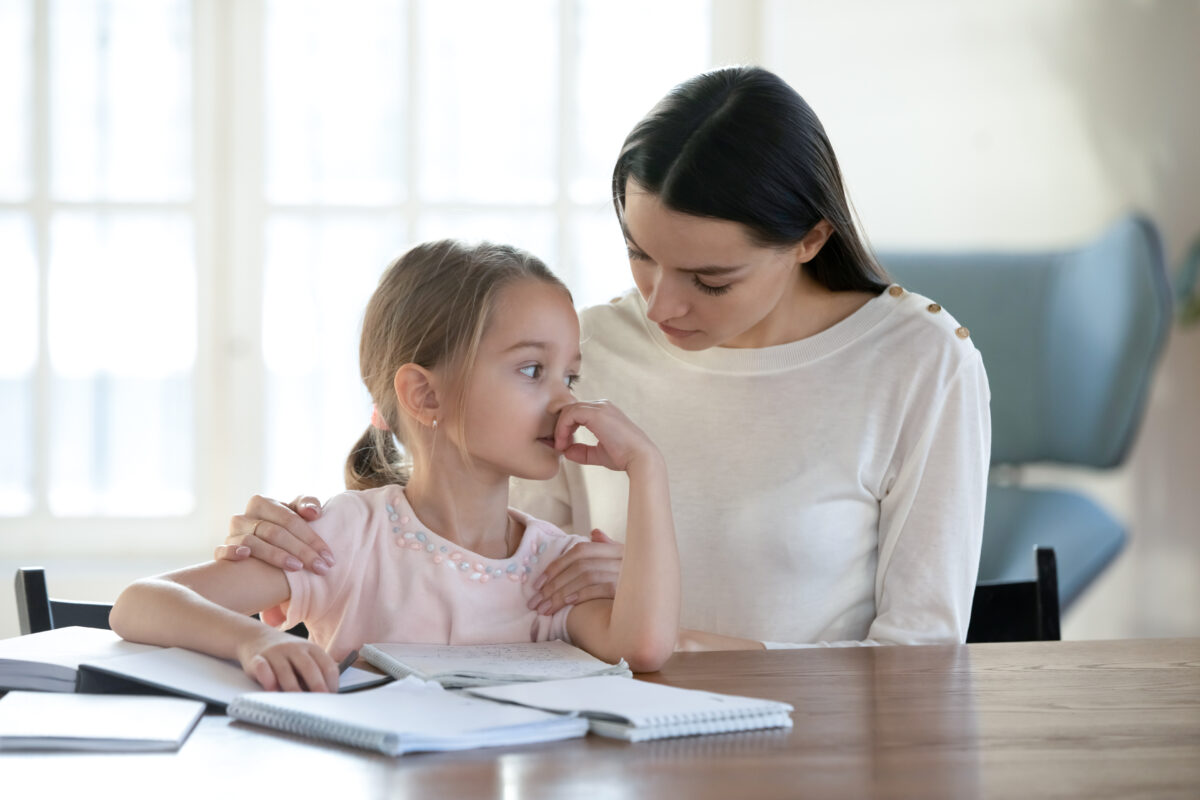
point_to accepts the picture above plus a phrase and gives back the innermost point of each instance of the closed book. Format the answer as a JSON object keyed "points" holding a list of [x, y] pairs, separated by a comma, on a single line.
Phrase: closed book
{"points": [[459, 665], [636, 710], [42, 721], [402, 717]]}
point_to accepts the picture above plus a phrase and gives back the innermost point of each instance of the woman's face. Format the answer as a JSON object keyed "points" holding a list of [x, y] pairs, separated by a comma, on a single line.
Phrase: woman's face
{"points": [[705, 282]]}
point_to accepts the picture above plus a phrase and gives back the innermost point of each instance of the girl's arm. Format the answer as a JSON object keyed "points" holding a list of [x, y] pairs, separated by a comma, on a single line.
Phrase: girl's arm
{"points": [[641, 622], [206, 608]]}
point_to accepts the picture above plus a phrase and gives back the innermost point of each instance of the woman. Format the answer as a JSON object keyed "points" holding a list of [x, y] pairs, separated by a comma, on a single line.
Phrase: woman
{"points": [[827, 435]]}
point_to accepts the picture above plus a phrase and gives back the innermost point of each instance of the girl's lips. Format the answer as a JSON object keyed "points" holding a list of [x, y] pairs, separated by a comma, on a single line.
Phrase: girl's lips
{"points": [[675, 332], [547, 440]]}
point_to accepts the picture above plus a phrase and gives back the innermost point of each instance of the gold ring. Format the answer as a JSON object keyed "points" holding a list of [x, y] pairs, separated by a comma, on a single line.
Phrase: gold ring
{"points": [[254, 527]]}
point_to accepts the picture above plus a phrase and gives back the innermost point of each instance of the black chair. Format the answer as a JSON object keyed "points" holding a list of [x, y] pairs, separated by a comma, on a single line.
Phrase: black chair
{"points": [[1018, 611], [37, 611]]}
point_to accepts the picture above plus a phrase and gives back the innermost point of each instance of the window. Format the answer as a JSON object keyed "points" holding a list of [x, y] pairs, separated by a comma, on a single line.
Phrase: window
{"points": [[198, 199]]}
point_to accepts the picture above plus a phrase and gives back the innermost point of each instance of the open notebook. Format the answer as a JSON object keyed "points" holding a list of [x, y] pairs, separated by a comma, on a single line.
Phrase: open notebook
{"points": [[49, 661], [636, 710], [406, 716], [174, 670], [458, 665]]}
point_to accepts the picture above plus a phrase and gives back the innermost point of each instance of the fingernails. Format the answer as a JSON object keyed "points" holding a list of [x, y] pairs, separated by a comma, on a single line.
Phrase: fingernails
{"points": [[328, 556], [544, 607], [539, 583], [293, 564], [535, 601], [242, 551], [571, 598], [320, 567]]}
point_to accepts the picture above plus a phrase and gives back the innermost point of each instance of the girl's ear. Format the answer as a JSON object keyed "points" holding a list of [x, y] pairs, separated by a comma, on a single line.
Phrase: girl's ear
{"points": [[417, 393], [813, 241]]}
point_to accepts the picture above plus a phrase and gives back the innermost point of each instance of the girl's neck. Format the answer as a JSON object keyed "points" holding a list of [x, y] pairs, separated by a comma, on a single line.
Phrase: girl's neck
{"points": [[467, 509]]}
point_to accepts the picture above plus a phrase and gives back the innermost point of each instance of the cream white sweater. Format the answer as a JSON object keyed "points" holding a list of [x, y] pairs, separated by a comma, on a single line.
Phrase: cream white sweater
{"points": [[829, 490]]}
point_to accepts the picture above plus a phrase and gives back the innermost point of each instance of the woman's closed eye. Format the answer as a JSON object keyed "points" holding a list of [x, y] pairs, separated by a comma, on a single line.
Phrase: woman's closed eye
{"points": [[709, 288]]}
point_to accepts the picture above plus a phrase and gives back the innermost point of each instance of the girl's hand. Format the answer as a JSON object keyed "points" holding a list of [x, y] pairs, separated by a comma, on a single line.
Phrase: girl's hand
{"points": [[588, 571], [621, 445], [282, 662], [278, 534]]}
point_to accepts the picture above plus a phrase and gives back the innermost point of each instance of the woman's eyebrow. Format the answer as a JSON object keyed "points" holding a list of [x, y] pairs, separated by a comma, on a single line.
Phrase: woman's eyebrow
{"points": [[711, 270]]}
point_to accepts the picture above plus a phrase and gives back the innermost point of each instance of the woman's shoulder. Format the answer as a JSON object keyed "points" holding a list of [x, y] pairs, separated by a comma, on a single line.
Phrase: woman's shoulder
{"points": [[620, 314], [925, 329]]}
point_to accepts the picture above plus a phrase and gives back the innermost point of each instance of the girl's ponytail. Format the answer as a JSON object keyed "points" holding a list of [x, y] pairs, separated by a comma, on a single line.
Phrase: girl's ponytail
{"points": [[375, 461]]}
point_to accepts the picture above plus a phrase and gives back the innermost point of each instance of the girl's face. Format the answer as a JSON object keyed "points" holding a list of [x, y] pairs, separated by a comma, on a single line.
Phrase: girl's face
{"points": [[527, 361], [705, 282]]}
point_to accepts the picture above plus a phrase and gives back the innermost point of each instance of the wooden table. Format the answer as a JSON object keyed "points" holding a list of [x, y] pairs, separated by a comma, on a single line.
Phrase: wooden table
{"points": [[1065, 719]]}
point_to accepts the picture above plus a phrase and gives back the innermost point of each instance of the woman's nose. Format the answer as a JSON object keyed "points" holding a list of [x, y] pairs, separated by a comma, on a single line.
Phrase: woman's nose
{"points": [[663, 303]]}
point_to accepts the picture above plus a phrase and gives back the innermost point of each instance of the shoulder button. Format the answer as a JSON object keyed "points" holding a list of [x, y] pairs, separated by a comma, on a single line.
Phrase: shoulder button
{"points": [[933, 308], [896, 291]]}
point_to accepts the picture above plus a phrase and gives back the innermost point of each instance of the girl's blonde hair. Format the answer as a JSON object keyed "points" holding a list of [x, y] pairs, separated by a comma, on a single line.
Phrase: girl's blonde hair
{"points": [[431, 308]]}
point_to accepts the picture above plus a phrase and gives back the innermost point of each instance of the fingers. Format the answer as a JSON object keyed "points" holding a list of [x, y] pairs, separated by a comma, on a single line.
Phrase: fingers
{"points": [[296, 669], [278, 535], [600, 536], [231, 552], [261, 671], [307, 506], [586, 571]]}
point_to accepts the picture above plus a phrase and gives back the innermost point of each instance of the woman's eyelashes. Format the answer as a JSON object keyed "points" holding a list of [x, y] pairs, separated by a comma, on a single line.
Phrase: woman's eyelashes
{"points": [[638, 255], [709, 289]]}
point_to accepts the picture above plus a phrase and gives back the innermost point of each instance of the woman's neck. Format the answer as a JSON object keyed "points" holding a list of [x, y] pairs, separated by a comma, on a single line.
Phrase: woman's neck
{"points": [[465, 507]]}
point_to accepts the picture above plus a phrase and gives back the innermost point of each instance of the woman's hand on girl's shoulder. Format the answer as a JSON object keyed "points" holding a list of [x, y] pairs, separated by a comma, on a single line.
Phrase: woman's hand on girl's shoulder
{"points": [[282, 662], [588, 571], [278, 534], [621, 445]]}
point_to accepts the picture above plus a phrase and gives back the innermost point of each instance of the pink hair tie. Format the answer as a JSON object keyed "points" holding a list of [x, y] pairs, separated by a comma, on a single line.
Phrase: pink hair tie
{"points": [[377, 421]]}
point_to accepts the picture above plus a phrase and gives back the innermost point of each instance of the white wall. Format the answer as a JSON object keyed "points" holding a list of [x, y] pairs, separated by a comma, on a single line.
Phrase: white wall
{"points": [[1033, 124]]}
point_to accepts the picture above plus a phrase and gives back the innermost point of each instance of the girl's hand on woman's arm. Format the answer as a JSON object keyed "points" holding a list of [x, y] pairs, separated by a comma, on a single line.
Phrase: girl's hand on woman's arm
{"points": [[588, 571], [278, 534]]}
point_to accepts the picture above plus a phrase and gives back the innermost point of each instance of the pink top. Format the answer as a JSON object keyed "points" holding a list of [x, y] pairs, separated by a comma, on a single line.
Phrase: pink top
{"points": [[397, 581]]}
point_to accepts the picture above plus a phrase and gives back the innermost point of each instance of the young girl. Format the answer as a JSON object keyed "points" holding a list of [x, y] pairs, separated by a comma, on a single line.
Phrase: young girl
{"points": [[469, 354]]}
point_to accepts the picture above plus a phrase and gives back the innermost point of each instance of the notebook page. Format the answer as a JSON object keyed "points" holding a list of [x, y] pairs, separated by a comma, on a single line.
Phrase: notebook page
{"points": [[637, 702], [515, 661]]}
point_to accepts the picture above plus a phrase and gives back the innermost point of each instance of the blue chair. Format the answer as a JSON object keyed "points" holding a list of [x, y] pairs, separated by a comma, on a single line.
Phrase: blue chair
{"points": [[1070, 340]]}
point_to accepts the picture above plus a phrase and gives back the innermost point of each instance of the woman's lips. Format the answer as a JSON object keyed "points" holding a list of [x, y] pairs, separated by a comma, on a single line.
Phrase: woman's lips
{"points": [[674, 332]]}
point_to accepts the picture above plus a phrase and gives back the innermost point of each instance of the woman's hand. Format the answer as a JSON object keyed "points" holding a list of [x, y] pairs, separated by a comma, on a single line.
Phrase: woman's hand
{"points": [[690, 641], [278, 534], [588, 571], [282, 662]]}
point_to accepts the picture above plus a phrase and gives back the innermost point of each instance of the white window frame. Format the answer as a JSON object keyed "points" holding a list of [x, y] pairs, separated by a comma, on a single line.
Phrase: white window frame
{"points": [[228, 211]]}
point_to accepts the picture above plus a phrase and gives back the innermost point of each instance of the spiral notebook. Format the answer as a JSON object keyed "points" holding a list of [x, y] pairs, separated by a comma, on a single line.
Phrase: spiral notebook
{"points": [[637, 711], [406, 716]]}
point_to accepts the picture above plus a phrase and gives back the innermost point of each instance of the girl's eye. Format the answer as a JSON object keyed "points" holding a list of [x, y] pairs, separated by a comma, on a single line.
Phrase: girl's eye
{"points": [[708, 289], [533, 371], [571, 380], [637, 255]]}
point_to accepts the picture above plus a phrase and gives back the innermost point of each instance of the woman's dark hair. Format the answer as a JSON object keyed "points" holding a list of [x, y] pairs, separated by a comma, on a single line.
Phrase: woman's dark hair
{"points": [[740, 144]]}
